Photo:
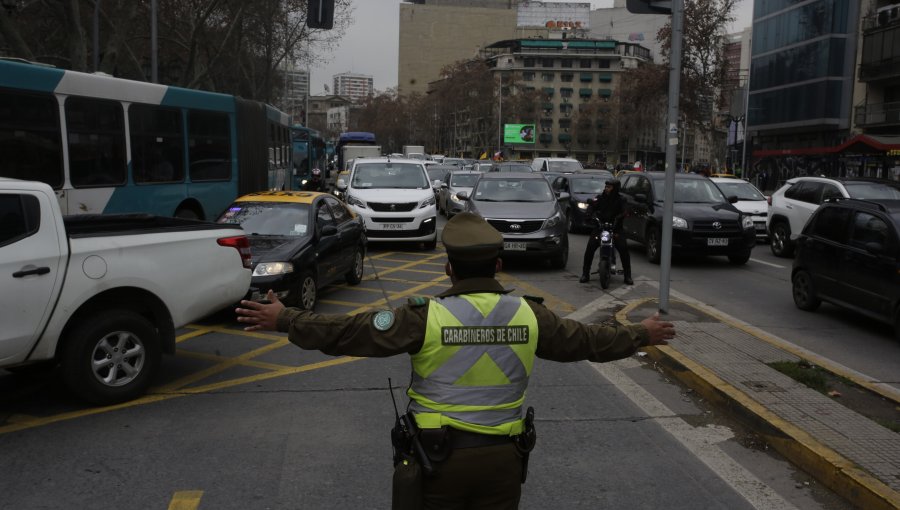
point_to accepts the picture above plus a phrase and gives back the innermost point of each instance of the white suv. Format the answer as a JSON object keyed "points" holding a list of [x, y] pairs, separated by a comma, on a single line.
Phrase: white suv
{"points": [[792, 204], [394, 199], [564, 165]]}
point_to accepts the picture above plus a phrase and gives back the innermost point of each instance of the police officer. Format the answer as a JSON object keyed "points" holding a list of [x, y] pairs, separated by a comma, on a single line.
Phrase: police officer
{"points": [[607, 207], [468, 411]]}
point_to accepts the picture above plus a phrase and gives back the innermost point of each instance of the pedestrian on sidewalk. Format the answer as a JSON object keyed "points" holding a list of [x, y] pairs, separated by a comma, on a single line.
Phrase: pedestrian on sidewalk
{"points": [[472, 349]]}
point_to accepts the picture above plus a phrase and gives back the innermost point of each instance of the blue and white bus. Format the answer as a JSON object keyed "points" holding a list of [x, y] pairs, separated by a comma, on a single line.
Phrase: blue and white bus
{"points": [[308, 153], [108, 145]]}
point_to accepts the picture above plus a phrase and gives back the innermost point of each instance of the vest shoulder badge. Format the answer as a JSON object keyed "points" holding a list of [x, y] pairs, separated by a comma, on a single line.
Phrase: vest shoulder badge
{"points": [[383, 320], [417, 301], [536, 299]]}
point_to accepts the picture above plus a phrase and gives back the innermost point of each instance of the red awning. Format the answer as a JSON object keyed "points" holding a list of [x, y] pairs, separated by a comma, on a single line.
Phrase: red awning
{"points": [[858, 144]]}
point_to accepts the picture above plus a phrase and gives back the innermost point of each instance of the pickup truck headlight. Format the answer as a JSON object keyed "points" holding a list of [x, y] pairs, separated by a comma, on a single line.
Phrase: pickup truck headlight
{"points": [[553, 220], [428, 201], [679, 222], [273, 268], [747, 222], [351, 200]]}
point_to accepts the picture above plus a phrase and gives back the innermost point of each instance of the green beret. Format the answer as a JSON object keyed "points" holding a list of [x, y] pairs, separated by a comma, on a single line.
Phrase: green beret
{"points": [[468, 236]]}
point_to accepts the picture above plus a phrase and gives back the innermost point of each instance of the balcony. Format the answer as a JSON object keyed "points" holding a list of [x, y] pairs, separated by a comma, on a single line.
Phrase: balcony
{"points": [[879, 69], [878, 115]]}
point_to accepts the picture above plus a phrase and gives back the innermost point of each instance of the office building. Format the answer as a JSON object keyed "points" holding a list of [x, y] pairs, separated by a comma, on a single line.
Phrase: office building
{"points": [[356, 87], [295, 91]]}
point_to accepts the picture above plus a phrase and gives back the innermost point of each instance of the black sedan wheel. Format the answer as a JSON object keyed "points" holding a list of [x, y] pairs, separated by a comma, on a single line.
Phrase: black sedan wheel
{"points": [[306, 293], [804, 292], [354, 276]]}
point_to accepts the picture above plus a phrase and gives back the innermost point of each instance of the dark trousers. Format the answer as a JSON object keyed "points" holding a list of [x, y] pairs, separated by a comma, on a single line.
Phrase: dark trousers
{"points": [[483, 478], [621, 245]]}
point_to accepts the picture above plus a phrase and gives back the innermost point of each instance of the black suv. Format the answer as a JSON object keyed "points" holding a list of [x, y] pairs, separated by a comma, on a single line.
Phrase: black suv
{"points": [[849, 254], [703, 220]]}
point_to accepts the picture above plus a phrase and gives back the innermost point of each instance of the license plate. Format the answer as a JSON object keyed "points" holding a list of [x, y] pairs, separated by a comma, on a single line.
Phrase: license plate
{"points": [[391, 226], [514, 246], [717, 241]]}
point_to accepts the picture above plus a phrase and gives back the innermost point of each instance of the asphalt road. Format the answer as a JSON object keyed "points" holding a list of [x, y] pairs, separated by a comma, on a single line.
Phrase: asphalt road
{"points": [[250, 421]]}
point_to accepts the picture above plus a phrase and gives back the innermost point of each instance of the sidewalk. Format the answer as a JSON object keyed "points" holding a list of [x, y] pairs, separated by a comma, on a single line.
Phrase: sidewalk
{"points": [[725, 360]]}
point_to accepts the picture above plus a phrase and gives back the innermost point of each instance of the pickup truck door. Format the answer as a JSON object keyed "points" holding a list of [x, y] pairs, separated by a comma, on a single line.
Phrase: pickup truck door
{"points": [[31, 249]]}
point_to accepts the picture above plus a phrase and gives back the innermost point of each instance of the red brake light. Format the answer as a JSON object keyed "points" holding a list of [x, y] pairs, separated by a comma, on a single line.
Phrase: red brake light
{"points": [[241, 244]]}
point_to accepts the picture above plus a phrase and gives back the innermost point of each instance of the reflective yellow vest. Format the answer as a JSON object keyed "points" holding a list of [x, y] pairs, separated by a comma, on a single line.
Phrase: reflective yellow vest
{"points": [[473, 368]]}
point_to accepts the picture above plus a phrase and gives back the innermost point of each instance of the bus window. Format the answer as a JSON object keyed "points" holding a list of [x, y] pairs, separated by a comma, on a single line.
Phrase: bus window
{"points": [[29, 137], [157, 144], [96, 137], [209, 146]]}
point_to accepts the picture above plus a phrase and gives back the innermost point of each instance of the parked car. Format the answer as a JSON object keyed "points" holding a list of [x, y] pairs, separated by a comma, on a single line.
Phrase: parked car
{"points": [[394, 199], [448, 202], [301, 241], [704, 222], [848, 254], [791, 205], [556, 165], [526, 212], [482, 166], [749, 200], [101, 296], [581, 188]]}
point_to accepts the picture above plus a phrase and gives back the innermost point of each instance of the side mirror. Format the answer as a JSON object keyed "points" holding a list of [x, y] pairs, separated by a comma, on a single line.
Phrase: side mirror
{"points": [[329, 230], [444, 185], [463, 195], [563, 195], [640, 197], [732, 199], [874, 247]]}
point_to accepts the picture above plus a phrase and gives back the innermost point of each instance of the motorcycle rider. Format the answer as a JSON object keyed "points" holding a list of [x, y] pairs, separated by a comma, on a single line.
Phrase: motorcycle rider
{"points": [[607, 207], [315, 182]]}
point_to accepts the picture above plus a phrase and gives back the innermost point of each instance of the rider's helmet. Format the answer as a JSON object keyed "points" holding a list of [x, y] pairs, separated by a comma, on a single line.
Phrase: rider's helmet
{"points": [[616, 185], [316, 173]]}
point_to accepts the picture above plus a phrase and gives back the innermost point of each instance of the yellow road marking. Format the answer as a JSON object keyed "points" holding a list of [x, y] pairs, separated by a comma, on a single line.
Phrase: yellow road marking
{"points": [[185, 500], [550, 301], [193, 334]]}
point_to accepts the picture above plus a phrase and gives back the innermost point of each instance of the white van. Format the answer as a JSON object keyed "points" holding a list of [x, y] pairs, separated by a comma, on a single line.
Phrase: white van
{"points": [[394, 198], [562, 165]]}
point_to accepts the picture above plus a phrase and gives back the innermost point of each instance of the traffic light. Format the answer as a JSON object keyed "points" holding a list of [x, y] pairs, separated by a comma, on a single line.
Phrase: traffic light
{"points": [[320, 14], [649, 6]]}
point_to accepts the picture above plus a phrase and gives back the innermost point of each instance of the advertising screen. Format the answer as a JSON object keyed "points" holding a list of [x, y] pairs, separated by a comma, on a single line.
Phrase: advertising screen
{"points": [[518, 133]]}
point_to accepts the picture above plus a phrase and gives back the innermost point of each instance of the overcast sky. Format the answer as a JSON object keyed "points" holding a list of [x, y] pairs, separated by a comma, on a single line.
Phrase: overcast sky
{"points": [[370, 44]]}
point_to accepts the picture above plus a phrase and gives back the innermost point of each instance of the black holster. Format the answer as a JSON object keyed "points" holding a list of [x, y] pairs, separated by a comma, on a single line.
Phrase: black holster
{"points": [[526, 440]]}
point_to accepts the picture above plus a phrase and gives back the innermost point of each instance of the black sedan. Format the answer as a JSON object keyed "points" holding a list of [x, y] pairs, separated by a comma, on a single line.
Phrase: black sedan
{"points": [[300, 242], [581, 188]]}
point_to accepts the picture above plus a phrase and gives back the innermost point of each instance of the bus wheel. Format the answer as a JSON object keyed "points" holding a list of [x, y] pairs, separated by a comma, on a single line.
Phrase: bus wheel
{"points": [[187, 213]]}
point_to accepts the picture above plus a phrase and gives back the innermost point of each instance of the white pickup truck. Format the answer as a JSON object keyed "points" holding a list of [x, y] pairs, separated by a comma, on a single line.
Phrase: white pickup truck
{"points": [[101, 296]]}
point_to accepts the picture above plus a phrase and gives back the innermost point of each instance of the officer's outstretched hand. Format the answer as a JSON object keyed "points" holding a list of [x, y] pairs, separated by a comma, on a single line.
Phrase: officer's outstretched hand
{"points": [[660, 331], [261, 316]]}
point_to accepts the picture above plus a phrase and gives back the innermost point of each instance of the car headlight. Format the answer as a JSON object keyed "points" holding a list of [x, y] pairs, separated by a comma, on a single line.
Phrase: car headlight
{"points": [[428, 201], [273, 268], [553, 220], [679, 222], [455, 198], [582, 205], [747, 222], [303, 182], [351, 200]]}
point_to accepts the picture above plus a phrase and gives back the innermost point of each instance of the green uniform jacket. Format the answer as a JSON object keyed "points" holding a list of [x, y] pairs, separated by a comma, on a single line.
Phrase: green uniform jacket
{"points": [[559, 339]]}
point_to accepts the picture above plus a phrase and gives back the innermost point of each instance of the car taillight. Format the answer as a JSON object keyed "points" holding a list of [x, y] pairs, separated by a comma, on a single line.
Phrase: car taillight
{"points": [[241, 244], [769, 199]]}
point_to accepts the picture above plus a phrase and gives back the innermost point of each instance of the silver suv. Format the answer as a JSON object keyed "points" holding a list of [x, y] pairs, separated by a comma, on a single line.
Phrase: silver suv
{"points": [[793, 204]]}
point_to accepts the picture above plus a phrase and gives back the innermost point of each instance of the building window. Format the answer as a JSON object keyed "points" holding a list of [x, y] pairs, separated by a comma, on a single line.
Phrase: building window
{"points": [[547, 76], [567, 77], [547, 62], [585, 63], [528, 76], [528, 62], [603, 64], [565, 63], [565, 92]]}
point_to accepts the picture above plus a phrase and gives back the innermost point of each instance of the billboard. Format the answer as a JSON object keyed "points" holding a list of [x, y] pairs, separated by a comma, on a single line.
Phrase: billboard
{"points": [[554, 15], [518, 133]]}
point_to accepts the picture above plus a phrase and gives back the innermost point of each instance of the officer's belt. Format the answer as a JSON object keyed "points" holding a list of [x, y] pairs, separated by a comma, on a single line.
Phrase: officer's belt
{"points": [[465, 439]]}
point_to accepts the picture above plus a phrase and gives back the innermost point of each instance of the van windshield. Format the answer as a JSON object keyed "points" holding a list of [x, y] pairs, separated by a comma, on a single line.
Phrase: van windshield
{"points": [[389, 175], [564, 166]]}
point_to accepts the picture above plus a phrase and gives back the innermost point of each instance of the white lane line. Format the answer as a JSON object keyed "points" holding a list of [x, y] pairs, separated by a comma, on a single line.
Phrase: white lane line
{"points": [[702, 442], [768, 263]]}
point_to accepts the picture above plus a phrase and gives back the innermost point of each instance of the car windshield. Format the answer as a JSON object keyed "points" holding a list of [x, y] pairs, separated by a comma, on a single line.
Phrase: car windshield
{"points": [[741, 189], [436, 174], [586, 185], [865, 190], [463, 180], [691, 191], [513, 190], [564, 166], [389, 175], [269, 218]]}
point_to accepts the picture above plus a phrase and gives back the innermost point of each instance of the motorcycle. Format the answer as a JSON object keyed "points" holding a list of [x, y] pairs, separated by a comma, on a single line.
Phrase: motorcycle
{"points": [[606, 268]]}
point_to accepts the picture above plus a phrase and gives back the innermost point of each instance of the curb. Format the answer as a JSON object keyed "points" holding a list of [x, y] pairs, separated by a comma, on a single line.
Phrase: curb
{"points": [[832, 469]]}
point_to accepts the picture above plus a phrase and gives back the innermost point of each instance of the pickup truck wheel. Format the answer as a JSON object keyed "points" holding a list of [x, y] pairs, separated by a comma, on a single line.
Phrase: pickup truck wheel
{"points": [[804, 292], [306, 294], [653, 248], [111, 358], [354, 276], [780, 243]]}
